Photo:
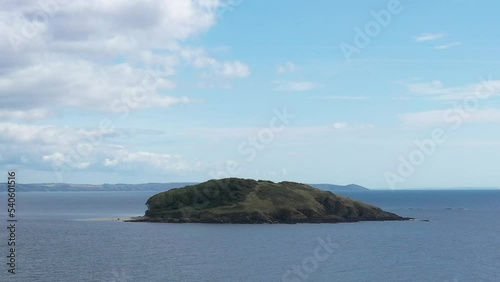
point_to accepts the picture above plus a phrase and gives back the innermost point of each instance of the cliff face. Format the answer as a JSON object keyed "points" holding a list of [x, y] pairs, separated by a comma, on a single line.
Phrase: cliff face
{"points": [[235, 200]]}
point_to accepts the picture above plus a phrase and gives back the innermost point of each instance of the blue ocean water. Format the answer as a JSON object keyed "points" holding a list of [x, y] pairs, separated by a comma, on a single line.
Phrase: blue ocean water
{"points": [[56, 242]]}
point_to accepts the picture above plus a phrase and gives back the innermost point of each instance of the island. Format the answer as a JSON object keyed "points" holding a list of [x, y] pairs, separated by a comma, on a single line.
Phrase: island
{"points": [[235, 200]]}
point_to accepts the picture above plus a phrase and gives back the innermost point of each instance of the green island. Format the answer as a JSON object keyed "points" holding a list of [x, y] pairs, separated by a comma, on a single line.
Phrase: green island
{"points": [[235, 200]]}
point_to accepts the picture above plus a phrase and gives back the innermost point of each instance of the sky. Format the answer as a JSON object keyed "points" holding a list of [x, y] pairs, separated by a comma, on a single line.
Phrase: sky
{"points": [[384, 94]]}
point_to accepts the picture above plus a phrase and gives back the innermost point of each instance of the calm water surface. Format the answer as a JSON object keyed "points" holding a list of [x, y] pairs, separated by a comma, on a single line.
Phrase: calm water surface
{"points": [[56, 242]]}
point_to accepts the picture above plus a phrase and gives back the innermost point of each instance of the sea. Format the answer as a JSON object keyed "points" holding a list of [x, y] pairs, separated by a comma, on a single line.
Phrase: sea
{"points": [[75, 236]]}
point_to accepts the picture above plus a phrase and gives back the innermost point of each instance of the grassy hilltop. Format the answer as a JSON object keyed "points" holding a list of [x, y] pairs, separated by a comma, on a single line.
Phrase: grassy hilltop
{"points": [[235, 200]]}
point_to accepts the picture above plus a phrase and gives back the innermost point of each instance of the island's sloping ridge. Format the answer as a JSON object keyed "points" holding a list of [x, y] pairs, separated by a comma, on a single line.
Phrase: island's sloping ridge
{"points": [[235, 200]]}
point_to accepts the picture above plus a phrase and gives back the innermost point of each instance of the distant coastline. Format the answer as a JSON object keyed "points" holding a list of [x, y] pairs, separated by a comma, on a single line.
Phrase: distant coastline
{"points": [[153, 187], [159, 187]]}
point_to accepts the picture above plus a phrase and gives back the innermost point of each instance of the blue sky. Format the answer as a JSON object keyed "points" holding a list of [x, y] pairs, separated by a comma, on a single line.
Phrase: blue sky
{"points": [[317, 92]]}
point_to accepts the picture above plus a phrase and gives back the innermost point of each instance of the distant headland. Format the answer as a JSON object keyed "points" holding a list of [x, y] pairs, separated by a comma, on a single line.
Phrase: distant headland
{"points": [[64, 187]]}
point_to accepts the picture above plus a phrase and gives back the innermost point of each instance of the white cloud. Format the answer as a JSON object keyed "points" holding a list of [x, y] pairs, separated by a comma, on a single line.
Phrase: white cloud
{"points": [[79, 149], [63, 159], [450, 117], [108, 162], [57, 144], [433, 87], [344, 97], [424, 119], [428, 36], [72, 150], [437, 90], [351, 127], [402, 98], [80, 20], [162, 162], [366, 126], [234, 69], [27, 115], [340, 125], [239, 133], [199, 58], [91, 55], [475, 143], [295, 86], [83, 165], [286, 67], [60, 159], [56, 158], [41, 134], [449, 45], [84, 85]]}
